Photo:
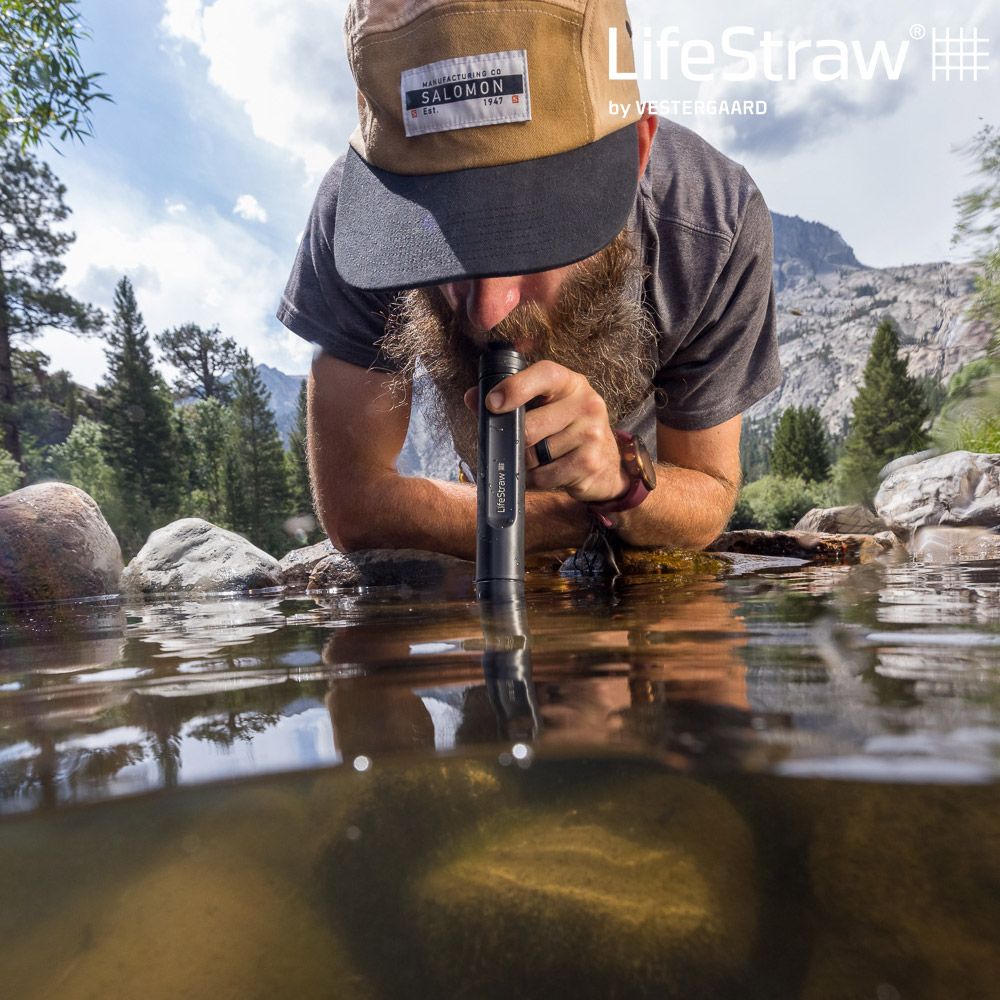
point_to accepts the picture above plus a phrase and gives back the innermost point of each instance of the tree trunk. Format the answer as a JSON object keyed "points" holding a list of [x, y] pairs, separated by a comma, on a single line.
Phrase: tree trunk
{"points": [[8, 423]]}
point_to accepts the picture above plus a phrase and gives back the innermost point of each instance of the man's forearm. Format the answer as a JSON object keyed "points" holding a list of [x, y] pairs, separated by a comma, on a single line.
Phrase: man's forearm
{"points": [[397, 512], [688, 509]]}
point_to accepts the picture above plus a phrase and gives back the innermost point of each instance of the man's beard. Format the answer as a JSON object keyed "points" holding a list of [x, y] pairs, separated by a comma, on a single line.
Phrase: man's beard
{"points": [[598, 327]]}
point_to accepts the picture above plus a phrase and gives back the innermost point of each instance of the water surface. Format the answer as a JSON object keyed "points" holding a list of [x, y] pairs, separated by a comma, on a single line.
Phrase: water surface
{"points": [[781, 784]]}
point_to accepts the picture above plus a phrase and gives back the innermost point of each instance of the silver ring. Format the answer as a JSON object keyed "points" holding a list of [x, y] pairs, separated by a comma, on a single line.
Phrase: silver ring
{"points": [[543, 453]]}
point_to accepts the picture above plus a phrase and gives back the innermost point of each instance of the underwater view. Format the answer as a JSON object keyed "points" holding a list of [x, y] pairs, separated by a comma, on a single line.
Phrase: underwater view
{"points": [[776, 784]]}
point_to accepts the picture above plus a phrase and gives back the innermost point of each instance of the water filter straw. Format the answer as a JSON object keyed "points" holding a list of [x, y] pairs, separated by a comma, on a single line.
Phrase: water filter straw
{"points": [[500, 484]]}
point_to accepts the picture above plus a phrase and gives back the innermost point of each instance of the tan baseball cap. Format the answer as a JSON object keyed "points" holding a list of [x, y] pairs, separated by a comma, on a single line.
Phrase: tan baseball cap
{"points": [[491, 139]]}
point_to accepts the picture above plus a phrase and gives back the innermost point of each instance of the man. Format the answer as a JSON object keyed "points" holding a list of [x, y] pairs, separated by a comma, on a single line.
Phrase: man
{"points": [[500, 186]]}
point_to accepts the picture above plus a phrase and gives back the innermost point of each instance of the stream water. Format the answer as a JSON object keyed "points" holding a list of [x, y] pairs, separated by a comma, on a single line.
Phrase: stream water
{"points": [[781, 784]]}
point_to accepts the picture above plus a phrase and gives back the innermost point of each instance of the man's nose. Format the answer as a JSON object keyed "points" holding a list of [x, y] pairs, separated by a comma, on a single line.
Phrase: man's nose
{"points": [[487, 301]]}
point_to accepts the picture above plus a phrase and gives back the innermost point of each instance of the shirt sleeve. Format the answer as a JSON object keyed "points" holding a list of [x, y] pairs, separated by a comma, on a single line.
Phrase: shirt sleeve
{"points": [[729, 359], [319, 305]]}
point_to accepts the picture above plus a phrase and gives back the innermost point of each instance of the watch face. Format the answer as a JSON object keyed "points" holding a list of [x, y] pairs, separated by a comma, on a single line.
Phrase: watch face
{"points": [[647, 468]]}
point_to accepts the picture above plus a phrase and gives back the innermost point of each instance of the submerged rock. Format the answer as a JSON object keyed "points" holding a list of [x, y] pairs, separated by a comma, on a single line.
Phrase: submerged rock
{"points": [[463, 879], [854, 519], [905, 879], [959, 488], [55, 545], [810, 546], [641, 888], [195, 555]]}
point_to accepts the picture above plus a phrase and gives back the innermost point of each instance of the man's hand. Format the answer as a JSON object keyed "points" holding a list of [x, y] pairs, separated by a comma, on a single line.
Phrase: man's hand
{"points": [[572, 417]]}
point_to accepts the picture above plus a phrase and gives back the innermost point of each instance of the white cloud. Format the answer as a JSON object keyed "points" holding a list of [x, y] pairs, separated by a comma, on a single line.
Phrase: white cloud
{"points": [[247, 207], [175, 208], [195, 267], [283, 63]]}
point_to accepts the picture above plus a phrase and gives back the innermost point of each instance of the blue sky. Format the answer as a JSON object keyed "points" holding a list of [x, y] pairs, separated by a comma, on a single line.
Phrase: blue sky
{"points": [[199, 176]]}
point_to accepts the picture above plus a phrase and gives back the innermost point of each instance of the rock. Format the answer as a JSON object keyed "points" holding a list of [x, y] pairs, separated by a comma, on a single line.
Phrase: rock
{"points": [[938, 544], [852, 520], [391, 568], [904, 880], [55, 545], [742, 564], [194, 555], [811, 546], [958, 488], [890, 468], [641, 888], [296, 567]]}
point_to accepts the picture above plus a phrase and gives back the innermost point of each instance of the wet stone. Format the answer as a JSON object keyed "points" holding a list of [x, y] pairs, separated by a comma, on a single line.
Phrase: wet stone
{"points": [[939, 544], [297, 566], [814, 547], [854, 519], [195, 555], [55, 545], [900, 872], [637, 889], [391, 568]]}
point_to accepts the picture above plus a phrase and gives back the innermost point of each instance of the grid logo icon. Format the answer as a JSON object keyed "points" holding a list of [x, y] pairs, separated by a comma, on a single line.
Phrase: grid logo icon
{"points": [[958, 56]]}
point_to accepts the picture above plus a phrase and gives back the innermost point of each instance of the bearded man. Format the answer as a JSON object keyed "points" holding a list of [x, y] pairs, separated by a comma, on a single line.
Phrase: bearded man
{"points": [[501, 186]]}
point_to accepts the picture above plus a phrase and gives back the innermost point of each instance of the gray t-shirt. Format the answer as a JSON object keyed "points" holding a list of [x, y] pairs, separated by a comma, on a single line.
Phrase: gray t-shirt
{"points": [[706, 237]]}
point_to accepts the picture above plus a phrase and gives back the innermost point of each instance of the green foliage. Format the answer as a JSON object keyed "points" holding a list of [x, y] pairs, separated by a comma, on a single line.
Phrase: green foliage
{"points": [[776, 503], [981, 435], [81, 461], [887, 417], [10, 473], [801, 446], [979, 207], [965, 382], [203, 358], [257, 488], [43, 86], [139, 436], [31, 242]]}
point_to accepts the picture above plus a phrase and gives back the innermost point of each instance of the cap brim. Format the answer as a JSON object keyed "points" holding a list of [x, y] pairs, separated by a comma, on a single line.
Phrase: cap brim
{"points": [[402, 231]]}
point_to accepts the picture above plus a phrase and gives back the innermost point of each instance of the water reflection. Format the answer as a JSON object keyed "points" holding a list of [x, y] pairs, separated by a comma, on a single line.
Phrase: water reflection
{"points": [[795, 669]]}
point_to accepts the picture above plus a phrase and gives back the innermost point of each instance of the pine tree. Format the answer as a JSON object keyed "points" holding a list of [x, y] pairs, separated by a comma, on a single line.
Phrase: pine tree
{"points": [[139, 433], [801, 446], [203, 358], [256, 483], [31, 244], [208, 424], [887, 417]]}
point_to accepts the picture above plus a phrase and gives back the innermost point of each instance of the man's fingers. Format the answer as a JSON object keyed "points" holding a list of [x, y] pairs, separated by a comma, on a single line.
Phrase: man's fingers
{"points": [[548, 420], [544, 378], [472, 398]]}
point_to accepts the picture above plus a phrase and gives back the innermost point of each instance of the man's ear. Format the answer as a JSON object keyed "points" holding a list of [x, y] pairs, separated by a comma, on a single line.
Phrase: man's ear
{"points": [[646, 129]]}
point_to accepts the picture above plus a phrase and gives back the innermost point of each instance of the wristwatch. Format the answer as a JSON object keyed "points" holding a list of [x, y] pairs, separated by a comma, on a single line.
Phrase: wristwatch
{"points": [[640, 469]]}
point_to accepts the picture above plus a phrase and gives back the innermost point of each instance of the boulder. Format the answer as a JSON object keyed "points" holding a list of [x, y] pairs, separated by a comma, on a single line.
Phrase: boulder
{"points": [[814, 547], [854, 519], [904, 880], [55, 545], [939, 544], [195, 555], [641, 889], [391, 568], [960, 488], [296, 567]]}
